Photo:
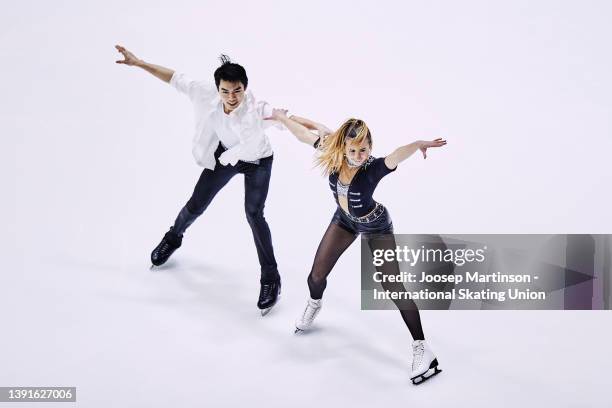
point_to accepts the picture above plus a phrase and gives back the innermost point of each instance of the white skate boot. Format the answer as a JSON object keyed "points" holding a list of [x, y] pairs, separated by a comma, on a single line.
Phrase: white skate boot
{"points": [[305, 321], [422, 362]]}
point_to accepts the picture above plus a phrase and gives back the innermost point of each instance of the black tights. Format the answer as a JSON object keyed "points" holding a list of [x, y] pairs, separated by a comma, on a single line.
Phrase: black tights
{"points": [[335, 241]]}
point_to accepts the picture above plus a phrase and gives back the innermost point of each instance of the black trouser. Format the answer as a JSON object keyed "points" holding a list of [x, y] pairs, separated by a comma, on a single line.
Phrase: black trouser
{"points": [[256, 183]]}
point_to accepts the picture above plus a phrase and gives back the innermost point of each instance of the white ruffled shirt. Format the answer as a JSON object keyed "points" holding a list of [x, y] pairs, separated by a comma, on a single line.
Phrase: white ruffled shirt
{"points": [[246, 122]]}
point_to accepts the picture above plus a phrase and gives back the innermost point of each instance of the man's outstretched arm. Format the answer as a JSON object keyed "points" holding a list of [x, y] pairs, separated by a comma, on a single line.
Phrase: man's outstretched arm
{"points": [[163, 73]]}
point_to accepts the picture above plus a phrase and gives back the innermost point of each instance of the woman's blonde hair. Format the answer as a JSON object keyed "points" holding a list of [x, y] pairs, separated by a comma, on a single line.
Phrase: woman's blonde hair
{"points": [[331, 157]]}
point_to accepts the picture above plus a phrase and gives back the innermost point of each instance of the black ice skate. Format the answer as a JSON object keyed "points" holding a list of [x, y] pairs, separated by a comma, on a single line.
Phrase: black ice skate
{"points": [[169, 243], [268, 296]]}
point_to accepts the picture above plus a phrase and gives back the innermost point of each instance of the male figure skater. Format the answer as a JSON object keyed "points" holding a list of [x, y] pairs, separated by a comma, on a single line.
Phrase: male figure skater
{"points": [[229, 139]]}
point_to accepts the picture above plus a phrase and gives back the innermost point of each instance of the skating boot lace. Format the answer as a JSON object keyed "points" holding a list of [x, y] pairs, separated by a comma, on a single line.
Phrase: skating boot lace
{"points": [[266, 290], [418, 350], [310, 312], [169, 243], [165, 246]]}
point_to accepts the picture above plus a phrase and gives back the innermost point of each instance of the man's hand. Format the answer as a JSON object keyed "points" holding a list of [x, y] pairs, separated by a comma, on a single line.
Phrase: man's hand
{"points": [[128, 58], [163, 73]]}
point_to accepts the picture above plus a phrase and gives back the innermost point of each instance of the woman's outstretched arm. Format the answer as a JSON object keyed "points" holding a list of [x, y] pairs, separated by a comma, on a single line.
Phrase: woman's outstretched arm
{"points": [[402, 153], [299, 130]]}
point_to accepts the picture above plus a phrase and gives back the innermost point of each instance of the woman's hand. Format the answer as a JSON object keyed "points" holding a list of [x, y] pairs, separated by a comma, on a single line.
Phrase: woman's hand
{"points": [[402, 153], [424, 145], [322, 130], [277, 114]]}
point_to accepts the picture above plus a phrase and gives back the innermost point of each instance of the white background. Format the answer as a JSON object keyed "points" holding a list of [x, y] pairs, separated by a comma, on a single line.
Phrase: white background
{"points": [[96, 163]]}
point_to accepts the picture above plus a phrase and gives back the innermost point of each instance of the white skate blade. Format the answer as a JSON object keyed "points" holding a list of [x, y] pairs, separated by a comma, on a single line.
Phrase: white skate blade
{"points": [[298, 331]]}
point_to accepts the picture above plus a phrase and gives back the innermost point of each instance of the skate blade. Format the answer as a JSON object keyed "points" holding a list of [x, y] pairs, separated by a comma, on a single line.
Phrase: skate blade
{"points": [[420, 379], [298, 331], [151, 267]]}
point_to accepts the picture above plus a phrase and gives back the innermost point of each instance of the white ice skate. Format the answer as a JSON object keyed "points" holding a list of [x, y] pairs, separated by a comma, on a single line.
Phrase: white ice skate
{"points": [[423, 362], [305, 321]]}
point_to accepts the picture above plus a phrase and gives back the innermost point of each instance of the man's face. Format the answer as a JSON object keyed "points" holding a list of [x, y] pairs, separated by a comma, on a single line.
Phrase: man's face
{"points": [[231, 93]]}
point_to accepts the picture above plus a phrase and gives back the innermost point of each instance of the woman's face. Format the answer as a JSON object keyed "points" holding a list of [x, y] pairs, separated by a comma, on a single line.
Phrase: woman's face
{"points": [[357, 153]]}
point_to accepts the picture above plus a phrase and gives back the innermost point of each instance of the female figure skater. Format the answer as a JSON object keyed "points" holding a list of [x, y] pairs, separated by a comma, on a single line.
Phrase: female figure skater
{"points": [[353, 175]]}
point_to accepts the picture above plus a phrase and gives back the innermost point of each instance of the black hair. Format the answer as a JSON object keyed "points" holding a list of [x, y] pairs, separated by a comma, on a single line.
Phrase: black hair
{"points": [[230, 71]]}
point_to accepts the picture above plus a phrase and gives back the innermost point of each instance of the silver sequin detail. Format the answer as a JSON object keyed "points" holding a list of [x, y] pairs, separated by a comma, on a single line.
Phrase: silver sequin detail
{"points": [[342, 188]]}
